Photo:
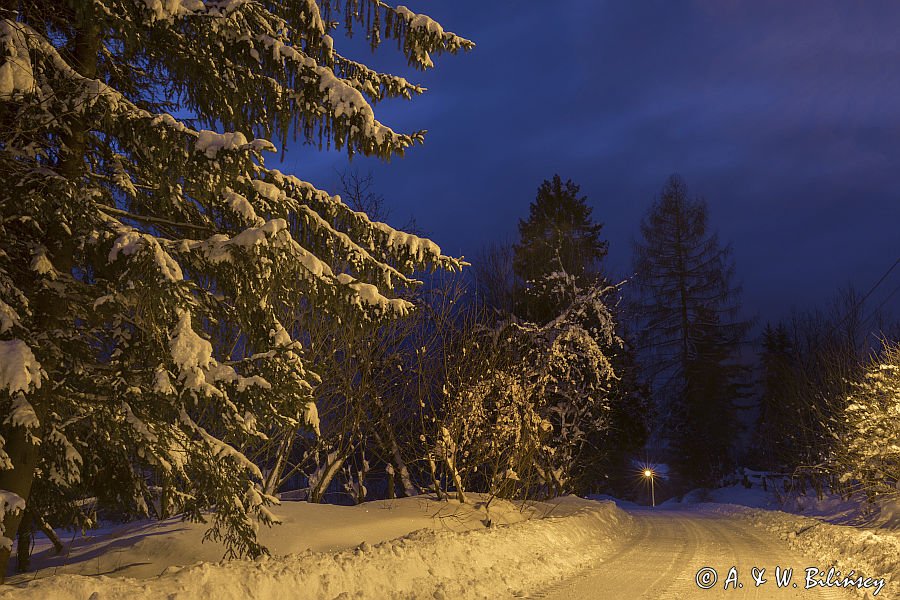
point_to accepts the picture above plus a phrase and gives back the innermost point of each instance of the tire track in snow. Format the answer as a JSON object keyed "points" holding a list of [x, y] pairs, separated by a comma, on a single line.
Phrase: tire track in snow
{"points": [[616, 574], [661, 558], [787, 557], [604, 554]]}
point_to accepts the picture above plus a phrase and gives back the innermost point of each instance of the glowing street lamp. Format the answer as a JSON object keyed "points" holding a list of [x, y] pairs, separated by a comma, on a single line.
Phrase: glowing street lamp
{"points": [[648, 474]]}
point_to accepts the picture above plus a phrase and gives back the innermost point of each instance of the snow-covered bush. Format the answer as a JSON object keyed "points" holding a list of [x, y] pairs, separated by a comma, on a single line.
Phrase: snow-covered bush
{"points": [[525, 399], [870, 451], [572, 365], [147, 265]]}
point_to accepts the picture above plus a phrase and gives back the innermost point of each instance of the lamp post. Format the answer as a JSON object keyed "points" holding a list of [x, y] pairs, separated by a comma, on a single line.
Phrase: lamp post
{"points": [[648, 473]]}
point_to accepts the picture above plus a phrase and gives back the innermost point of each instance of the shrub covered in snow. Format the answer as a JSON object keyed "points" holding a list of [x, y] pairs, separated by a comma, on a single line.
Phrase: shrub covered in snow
{"points": [[516, 421], [870, 454]]}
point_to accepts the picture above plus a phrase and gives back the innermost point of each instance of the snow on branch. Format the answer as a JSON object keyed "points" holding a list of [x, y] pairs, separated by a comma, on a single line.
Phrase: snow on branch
{"points": [[16, 73], [10, 503], [422, 35], [418, 35], [219, 448], [413, 250], [19, 369]]}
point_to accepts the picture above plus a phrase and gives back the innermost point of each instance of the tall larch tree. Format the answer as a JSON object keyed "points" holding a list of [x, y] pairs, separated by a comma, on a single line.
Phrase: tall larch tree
{"points": [[687, 305], [129, 235]]}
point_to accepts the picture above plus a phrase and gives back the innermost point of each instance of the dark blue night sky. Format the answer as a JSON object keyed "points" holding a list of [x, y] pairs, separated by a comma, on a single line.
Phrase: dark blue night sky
{"points": [[785, 116]]}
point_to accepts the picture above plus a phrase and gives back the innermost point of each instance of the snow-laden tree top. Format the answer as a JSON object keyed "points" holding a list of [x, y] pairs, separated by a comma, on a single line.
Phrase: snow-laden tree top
{"points": [[150, 261]]}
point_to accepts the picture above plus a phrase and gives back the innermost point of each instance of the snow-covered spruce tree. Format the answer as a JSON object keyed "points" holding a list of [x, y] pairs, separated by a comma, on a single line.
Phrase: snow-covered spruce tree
{"points": [[127, 235], [870, 452]]}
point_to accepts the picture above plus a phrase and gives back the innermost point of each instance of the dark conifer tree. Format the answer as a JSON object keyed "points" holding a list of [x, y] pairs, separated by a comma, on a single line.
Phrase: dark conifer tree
{"points": [[557, 260], [613, 450], [776, 440], [559, 250]]}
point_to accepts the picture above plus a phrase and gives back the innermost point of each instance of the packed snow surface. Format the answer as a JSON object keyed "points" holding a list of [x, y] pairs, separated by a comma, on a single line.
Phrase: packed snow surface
{"points": [[696, 552]]}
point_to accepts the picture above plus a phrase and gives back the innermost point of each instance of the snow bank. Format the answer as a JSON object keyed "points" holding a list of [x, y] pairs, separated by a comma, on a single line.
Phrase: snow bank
{"points": [[409, 548], [871, 552], [883, 514]]}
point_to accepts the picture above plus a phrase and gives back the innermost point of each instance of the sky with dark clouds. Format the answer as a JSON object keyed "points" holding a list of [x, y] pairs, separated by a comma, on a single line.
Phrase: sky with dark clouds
{"points": [[784, 116]]}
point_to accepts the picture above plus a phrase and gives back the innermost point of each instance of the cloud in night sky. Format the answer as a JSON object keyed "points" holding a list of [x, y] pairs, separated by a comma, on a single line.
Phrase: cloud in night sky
{"points": [[785, 116]]}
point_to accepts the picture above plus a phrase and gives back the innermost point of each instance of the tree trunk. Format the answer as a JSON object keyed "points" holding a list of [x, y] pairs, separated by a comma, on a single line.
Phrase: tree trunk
{"points": [[18, 480], [273, 481], [450, 461], [409, 490], [391, 494], [25, 537], [324, 475], [397, 465], [85, 47], [51, 535], [165, 498], [432, 467]]}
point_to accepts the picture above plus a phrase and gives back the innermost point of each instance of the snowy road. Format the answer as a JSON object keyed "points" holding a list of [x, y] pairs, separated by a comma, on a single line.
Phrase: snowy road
{"points": [[426, 549], [667, 548]]}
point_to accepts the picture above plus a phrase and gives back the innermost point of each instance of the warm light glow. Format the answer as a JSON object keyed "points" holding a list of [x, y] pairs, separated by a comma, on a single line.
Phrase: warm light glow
{"points": [[648, 473]]}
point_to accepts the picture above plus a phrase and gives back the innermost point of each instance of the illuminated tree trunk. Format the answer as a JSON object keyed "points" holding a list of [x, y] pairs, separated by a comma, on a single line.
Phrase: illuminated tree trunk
{"points": [[24, 456]]}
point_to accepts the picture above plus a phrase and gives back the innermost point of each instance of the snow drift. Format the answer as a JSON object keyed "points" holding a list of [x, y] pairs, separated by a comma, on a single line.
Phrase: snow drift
{"points": [[447, 550], [874, 552]]}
